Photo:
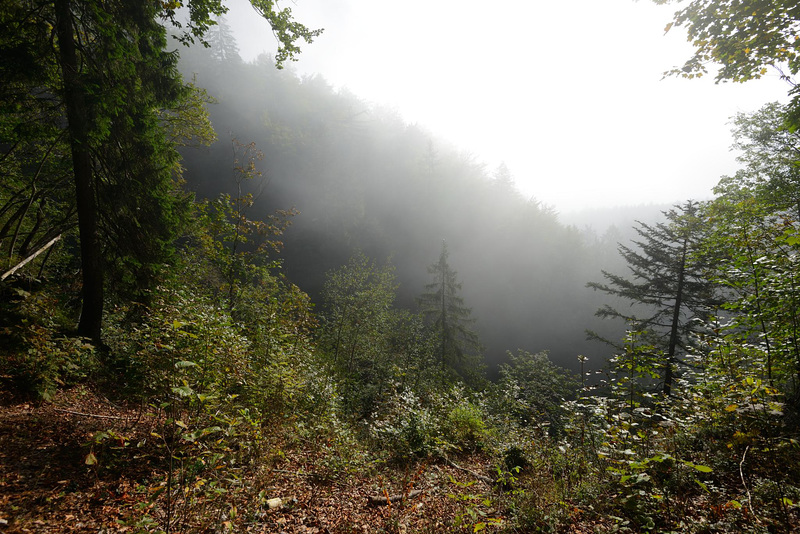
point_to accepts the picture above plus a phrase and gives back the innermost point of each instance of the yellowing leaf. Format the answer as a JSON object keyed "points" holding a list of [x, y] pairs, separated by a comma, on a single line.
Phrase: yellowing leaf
{"points": [[91, 459], [731, 408]]}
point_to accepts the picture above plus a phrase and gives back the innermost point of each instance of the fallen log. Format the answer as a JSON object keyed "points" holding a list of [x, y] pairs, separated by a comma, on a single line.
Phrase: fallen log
{"points": [[99, 416], [383, 500], [479, 476], [22, 264]]}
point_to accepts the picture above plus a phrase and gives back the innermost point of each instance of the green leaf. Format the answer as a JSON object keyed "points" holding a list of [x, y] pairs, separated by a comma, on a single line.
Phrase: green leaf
{"points": [[183, 391], [702, 468]]}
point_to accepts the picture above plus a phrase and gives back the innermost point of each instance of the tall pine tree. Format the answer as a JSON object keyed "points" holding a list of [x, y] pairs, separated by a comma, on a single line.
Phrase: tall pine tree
{"points": [[224, 47], [667, 286], [444, 309], [115, 75]]}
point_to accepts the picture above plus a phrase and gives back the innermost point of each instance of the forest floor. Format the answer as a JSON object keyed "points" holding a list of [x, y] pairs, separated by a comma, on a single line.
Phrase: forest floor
{"points": [[46, 484]]}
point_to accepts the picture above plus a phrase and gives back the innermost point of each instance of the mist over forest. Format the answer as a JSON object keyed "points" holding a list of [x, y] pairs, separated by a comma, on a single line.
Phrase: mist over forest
{"points": [[364, 179], [239, 297]]}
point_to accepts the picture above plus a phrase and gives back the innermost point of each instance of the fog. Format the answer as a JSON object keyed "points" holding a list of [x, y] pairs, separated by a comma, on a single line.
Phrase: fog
{"points": [[570, 95], [365, 179], [513, 138]]}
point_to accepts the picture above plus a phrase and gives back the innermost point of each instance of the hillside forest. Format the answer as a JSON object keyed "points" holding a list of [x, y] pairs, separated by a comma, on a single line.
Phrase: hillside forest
{"points": [[238, 299]]}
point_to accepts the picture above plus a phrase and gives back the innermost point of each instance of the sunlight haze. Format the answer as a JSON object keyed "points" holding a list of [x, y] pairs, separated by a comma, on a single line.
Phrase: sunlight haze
{"points": [[570, 95]]}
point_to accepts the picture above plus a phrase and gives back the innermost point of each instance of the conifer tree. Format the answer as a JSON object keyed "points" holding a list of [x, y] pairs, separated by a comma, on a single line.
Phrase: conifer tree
{"points": [[224, 47], [667, 286], [112, 84], [441, 304]]}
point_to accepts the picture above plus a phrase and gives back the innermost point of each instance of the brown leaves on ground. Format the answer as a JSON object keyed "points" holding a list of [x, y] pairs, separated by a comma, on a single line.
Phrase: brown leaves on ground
{"points": [[49, 482], [45, 482]]}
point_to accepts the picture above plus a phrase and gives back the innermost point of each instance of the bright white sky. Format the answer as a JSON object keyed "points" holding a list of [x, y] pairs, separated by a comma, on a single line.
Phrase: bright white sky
{"points": [[568, 93]]}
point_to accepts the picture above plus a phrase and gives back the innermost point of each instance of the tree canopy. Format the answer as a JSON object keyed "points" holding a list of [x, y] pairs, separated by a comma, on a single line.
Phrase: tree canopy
{"points": [[743, 37], [203, 15]]}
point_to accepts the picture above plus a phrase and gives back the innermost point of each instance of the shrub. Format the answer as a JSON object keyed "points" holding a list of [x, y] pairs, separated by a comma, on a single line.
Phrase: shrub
{"points": [[465, 427], [35, 356], [405, 428]]}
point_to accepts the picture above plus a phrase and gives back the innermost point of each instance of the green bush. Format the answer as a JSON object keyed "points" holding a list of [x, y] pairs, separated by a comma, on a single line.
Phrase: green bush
{"points": [[36, 358], [465, 427], [43, 361], [405, 428]]}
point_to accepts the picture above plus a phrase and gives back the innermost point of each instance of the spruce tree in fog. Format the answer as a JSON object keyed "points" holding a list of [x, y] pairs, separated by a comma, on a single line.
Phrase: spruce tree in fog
{"points": [[442, 306], [667, 285], [224, 47]]}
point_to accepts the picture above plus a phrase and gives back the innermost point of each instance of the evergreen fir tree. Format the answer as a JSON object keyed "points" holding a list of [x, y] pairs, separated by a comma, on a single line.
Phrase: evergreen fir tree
{"points": [[441, 304], [112, 86], [224, 47], [667, 286]]}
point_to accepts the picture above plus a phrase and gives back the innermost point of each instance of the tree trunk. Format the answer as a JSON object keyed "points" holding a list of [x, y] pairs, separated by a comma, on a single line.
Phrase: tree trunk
{"points": [[676, 315], [78, 126]]}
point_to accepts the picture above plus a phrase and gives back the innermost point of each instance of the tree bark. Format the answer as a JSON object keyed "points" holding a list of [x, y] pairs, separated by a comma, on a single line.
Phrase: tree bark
{"points": [[78, 127], [676, 315]]}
